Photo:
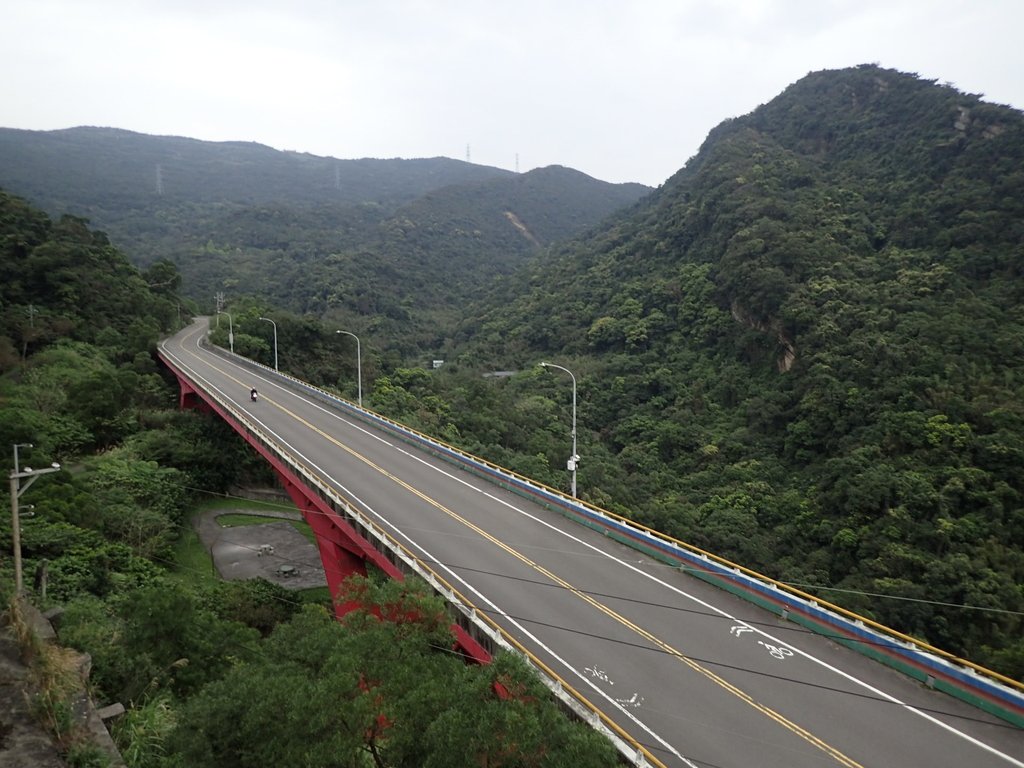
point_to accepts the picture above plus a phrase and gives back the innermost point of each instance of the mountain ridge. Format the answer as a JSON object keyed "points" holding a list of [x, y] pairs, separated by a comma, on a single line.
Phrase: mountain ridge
{"points": [[803, 352], [130, 164], [403, 240]]}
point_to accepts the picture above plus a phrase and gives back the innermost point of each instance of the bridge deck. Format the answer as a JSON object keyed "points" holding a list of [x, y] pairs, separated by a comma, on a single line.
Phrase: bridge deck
{"points": [[698, 676]]}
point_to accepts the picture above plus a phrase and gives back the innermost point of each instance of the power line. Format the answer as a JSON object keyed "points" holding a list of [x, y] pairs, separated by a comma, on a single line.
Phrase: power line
{"points": [[594, 593], [709, 662], [627, 643], [692, 569], [260, 651], [964, 606]]}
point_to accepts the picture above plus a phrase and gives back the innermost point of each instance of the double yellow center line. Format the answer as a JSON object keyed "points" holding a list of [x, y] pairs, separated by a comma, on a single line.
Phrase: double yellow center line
{"points": [[803, 733]]}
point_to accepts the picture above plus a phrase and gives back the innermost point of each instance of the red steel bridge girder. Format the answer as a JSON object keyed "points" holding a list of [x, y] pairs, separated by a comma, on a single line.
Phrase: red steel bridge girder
{"points": [[343, 551], [189, 398]]}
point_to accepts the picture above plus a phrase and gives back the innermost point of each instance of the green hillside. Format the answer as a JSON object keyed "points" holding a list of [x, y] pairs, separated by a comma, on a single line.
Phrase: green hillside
{"points": [[390, 247], [108, 539], [805, 352]]}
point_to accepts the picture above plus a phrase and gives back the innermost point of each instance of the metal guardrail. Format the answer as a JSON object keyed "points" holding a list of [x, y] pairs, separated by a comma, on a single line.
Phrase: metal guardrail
{"points": [[467, 615], [970, 682]]}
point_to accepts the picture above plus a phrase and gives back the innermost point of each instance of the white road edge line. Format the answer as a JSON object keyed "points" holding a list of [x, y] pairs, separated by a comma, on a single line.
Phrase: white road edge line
{"points": [[432, 559], [709, 606]]}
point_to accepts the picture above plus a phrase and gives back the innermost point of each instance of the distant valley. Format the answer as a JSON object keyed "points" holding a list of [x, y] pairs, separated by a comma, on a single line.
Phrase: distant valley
{"points": [[407, 240]]}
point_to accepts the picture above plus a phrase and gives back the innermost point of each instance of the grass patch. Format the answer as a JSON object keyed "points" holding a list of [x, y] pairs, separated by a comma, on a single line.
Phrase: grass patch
{"points": [[193, 563], [249, 504], [238, 519], [55, 683], [315, 596]]}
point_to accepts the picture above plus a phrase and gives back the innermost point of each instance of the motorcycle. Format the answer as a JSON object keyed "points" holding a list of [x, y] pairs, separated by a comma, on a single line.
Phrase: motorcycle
{"points": [[253, 395]]}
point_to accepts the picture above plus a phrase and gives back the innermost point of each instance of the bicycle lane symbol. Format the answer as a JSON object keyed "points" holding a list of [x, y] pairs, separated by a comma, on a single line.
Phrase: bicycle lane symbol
{"points": [[600, 674], [776, 651]]}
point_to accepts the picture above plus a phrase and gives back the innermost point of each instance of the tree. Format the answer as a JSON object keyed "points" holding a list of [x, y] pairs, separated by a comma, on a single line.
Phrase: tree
{"points": [[175, 640], [382, 689]]}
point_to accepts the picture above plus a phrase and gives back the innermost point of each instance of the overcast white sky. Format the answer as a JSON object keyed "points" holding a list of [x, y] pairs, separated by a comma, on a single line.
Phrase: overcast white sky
{"points": [[623, 90]]}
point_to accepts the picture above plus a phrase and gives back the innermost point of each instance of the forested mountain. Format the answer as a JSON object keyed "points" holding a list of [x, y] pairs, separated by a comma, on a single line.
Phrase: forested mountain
{"points": [[109, 540], [805, 352], [402, 274], [61, 280], [406, 242], [90, 170]]}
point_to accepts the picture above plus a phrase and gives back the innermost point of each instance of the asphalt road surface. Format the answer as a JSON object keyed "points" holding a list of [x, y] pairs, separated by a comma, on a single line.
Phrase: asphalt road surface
{"points": [[697, 676]]}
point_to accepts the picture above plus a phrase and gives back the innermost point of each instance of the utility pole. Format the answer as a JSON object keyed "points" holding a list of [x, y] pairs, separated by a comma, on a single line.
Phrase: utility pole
{"points": [[17, 488], [231, 330]]}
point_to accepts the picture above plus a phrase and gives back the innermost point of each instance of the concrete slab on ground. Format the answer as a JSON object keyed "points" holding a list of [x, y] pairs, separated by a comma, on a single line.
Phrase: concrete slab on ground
{"points": [[274, 550]]}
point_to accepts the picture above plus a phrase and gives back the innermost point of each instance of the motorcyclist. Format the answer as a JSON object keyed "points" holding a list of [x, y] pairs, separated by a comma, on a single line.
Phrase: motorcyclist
{"points": [[252, 394]]}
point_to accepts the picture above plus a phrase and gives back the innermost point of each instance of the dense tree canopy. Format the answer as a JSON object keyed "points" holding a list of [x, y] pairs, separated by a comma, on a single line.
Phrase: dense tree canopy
{"points": [[225, 674], [378, 693], [392, 247], [804, 352]]}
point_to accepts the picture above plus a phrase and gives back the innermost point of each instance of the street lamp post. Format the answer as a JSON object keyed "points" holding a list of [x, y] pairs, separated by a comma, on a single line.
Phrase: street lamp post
{"points": [[575, 458], [17, 488], [231, 330], [359, 364], [268, 320]]}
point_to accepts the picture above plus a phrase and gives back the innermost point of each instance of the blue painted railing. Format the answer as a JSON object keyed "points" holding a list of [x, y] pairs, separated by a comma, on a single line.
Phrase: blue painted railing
{"points": [[969, 682]]}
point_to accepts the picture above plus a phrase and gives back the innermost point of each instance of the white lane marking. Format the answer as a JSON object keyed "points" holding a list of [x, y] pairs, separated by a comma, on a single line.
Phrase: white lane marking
{"points": [[857, 681], [484, 599], [454, 576]]}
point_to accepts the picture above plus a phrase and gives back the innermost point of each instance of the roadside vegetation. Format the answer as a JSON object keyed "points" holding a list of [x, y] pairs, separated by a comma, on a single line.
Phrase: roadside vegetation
{"points": [[212, 673], [805, 352]]}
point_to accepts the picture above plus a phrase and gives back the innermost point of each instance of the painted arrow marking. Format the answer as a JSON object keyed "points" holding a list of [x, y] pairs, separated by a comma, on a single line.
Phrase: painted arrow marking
{"points": [[633, 701], [739, 629]]}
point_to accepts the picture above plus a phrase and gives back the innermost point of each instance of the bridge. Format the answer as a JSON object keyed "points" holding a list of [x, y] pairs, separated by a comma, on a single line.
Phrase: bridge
{"points": [[680, 658]]}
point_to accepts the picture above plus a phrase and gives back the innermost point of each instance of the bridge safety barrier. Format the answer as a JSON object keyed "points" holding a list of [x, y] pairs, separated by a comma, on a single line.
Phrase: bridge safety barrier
{"points": [[983, 688], [465, 614]]}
